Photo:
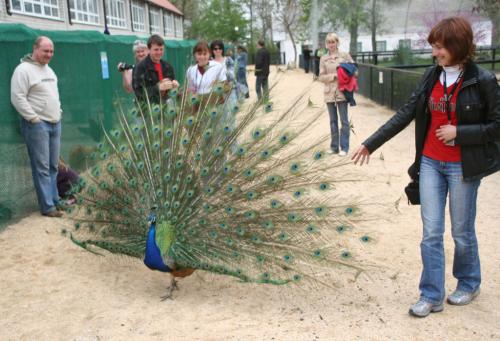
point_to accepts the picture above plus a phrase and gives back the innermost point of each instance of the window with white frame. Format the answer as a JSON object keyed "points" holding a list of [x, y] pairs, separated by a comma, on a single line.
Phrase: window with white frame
{"points": [[381, 45], [84, 11], [115, 13], [154, 20], [138, 17], [168, 23], [178, 26], [41, 8]]}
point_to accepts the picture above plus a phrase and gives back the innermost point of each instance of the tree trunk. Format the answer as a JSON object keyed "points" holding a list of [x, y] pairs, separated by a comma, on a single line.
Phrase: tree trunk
{"points": [[495, 27], [353, 28], [374, 25]]}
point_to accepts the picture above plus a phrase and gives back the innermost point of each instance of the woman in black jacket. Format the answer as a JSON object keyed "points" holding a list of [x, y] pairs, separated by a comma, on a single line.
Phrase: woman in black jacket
{"points": [[456, 108]]}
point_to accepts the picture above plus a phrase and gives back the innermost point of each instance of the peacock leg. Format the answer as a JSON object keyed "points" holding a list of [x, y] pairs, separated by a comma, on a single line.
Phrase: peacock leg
{"points": [[173, 286]]}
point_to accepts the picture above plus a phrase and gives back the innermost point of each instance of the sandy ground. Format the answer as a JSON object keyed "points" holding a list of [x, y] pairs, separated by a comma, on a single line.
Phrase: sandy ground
{"points": [[53, 290]]}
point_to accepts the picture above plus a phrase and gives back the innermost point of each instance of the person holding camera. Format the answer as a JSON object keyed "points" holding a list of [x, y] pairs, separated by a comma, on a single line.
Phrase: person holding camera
{"points": [[456, 108], [140, 50], [153, 77]]}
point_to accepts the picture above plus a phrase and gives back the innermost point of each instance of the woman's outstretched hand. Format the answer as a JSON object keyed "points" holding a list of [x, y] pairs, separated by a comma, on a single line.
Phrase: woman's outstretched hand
{"points": [[362, 154]]}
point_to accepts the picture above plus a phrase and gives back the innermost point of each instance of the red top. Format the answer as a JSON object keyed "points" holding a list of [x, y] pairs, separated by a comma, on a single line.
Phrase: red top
{"points": [[433, 147], [346, 82], [158, 70]]}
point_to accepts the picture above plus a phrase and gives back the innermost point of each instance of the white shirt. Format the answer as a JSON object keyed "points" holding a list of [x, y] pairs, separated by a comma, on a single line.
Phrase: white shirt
{"points": [[202, 84], [452, 73]]}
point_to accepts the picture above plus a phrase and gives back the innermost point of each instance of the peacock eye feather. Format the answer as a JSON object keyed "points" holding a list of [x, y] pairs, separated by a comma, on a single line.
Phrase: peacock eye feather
{"points": [[207, 134], [96, 171], [365, 239], [251, 195], [268, 107], [123, 148], [341, 229], [275, 203], [156, 130], [172, 93], [349, 210], [209, 190], [111, 168], [241, 151], [324, 186], [134, 112], [93, 156], [146, 186], [168, 133], [204, 172], [197, 156], [296, 278], [255, 239], [226, 130], [230, 210], [284, 139], [311, 229], [283, 237], [227, 169], [260, 259], [166, 153], [293, 217], [240, 231], [217, 151], [265, 154], [250, 215], [214, 113], [176, 205], [235, 109], [185, 141], [167, 177], [179, 164], [229, 242], [288, 258], [140, 165], [104, 156], [171, 113], [139, 146], [190, 193], [298, 193], [115, 133], [100, 146], [317, 253], [127, 163], [249, 173], [268, 225], [320, 211], [159, 193], [156, 146], [155, 109], [157, 168], [274, 180], [294, 168], [103, 185], [195, 99], [189, 121], [318, 155], [175, 188], [345, 254]]}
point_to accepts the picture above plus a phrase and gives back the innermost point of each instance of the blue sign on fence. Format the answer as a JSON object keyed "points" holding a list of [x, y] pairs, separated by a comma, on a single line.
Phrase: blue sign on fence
{"points": [[104, 65]]}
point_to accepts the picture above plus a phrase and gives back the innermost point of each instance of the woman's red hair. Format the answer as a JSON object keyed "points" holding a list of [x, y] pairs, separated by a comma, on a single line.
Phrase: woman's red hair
{"points": [[455, 34]]}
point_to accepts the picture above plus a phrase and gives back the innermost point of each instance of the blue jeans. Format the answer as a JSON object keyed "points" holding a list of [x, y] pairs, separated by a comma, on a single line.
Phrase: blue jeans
{"points": [[334, 126], [43, 143], [261, 85], [437, 179]]}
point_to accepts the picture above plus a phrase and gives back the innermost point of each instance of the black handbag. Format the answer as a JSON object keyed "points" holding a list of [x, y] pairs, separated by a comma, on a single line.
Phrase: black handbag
{"points": [[413, 193]]}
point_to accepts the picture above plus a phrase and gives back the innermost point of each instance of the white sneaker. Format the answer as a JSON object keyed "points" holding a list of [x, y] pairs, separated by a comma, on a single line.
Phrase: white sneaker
{"points": [[342, 153]]}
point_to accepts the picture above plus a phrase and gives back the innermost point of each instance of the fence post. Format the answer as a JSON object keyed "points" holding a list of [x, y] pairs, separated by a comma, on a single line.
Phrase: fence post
{"points": [[493, 58]]}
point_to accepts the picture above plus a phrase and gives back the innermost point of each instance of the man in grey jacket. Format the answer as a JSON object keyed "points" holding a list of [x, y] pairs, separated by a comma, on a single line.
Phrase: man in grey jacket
{"points": [[35, 96]]}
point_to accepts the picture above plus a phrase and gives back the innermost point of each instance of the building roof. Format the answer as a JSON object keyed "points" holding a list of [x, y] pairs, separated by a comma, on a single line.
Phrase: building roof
{"points": [[166, 5]]}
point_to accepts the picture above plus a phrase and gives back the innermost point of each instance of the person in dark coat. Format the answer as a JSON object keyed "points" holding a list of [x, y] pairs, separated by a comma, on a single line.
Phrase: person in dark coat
{"points": [[262, 62]]}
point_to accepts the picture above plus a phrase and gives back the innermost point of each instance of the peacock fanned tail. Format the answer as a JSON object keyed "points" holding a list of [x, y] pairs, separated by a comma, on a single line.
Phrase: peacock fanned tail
{"points": [[255, 200]]}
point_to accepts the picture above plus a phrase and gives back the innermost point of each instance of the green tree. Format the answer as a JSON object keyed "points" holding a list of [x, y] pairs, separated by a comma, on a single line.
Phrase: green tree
{"points": [[220, 19], [190, 9], [346, 13]]}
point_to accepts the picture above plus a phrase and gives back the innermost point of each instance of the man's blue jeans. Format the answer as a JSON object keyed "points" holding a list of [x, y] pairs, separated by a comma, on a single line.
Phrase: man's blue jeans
{"points": [[43, 143], [334, 126], [437, 179], [262, 86]]}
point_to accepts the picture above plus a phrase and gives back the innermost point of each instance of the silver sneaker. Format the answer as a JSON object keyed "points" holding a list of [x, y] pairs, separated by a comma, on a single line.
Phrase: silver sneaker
{"points": [[423, 308], [459, 297]]}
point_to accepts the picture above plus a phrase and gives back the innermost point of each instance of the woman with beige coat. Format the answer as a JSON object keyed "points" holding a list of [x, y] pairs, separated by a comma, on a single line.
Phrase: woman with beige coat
{"points": [[334, 98]]}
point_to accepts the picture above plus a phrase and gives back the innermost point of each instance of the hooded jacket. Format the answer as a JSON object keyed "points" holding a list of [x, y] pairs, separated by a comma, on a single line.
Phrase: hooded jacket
{"points": [[34, 93]]}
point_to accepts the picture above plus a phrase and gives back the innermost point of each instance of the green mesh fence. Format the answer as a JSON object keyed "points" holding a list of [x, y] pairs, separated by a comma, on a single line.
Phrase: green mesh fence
{"points": [[88, 101]]}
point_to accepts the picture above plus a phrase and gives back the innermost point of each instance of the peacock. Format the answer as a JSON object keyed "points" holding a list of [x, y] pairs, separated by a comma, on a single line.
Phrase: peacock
{"points": [[179, 186]]}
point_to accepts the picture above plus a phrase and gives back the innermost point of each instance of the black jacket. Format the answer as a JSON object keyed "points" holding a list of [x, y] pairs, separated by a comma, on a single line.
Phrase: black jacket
{"points": [[478, 121], [262, 61], [145, 79]]}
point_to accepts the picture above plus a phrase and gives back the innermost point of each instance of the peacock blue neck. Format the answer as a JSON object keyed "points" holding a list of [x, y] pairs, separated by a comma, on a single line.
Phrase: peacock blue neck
{"points": [[158, 244]]}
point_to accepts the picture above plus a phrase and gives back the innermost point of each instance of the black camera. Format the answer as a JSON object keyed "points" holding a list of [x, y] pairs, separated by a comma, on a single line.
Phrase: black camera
{"points": [[124, 66]]}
